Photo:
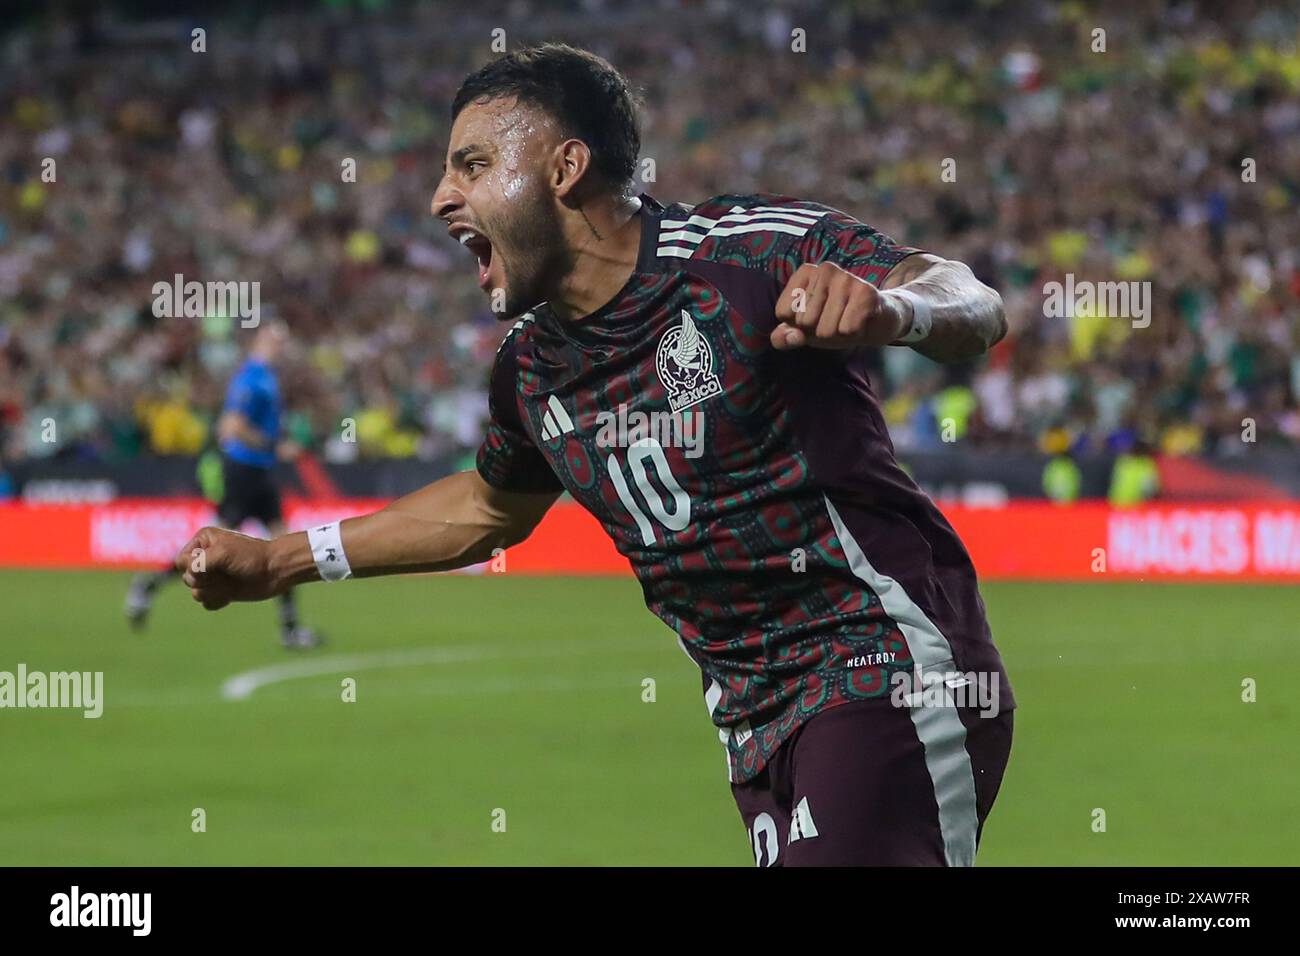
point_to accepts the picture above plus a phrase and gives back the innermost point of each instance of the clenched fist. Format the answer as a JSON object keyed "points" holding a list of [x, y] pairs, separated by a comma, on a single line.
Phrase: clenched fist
{"points": [[221, 566], [826, 307]]}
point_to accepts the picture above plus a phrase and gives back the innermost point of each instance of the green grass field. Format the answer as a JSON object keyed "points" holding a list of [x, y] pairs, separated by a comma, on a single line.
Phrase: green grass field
{"points": [[479, 693]]}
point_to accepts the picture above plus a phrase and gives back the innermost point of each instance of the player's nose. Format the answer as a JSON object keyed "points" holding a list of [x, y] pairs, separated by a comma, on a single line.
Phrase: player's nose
{"points": [[446, 199]]}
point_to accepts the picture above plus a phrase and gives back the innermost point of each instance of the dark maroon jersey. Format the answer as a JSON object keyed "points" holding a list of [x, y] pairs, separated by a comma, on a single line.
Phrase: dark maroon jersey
{"points": [[754, 491]]}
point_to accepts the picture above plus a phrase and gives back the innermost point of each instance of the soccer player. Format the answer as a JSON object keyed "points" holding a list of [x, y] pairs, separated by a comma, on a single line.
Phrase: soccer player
{"points": [[805, 574], [249, 435]]}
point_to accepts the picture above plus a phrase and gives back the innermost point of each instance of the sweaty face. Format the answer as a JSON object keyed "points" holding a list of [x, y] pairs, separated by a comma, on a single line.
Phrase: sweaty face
{"points": [[495, 198]]}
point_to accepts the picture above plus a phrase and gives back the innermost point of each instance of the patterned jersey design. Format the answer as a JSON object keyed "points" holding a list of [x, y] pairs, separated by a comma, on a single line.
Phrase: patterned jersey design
{"points": [[668, 415]]}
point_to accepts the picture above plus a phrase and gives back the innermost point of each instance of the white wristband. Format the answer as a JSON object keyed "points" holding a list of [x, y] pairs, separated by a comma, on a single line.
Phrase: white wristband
{"points": [[921, 319], [327, 551]]}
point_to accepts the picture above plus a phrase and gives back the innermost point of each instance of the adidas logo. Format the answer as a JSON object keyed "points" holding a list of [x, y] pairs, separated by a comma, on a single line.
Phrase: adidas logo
{"points": [[801, 823], [555, 420]]}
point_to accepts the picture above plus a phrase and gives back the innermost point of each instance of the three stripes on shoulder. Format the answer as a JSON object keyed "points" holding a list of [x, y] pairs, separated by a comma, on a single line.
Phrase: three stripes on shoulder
{"points": [[681, 237]]}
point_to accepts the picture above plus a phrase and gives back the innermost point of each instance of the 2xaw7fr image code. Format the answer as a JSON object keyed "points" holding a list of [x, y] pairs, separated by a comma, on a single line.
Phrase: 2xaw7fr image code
{"points": [[1182, 918]]}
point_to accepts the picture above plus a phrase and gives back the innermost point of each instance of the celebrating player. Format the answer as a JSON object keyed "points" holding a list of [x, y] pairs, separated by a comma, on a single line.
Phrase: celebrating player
{"points": [[803, 571], [249, 431]]}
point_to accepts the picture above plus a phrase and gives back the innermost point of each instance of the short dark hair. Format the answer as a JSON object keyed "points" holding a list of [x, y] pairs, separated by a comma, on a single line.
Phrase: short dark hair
{"points": [[589, 99]]}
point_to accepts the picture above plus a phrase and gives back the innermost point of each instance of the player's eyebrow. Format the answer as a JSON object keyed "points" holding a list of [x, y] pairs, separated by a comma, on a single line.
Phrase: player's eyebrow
{"points": [[458, 157]]}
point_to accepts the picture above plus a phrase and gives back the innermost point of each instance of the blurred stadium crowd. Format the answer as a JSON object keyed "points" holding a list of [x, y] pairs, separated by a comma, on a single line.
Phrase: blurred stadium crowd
{"points": [[226, 165]]}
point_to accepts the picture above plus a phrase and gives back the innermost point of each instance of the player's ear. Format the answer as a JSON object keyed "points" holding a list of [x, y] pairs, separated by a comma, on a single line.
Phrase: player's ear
{"points": [[571, 163]]}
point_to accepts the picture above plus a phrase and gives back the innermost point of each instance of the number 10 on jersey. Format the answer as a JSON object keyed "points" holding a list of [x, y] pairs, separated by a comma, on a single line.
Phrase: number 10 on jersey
{"points": [[673, 512]]}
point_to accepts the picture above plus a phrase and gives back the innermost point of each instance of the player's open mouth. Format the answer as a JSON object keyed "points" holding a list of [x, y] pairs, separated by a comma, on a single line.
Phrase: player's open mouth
{"points": [[478, 244]]}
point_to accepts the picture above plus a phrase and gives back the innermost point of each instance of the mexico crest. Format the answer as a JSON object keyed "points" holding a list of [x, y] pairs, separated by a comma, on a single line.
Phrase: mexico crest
{"points": [[684, 362]]}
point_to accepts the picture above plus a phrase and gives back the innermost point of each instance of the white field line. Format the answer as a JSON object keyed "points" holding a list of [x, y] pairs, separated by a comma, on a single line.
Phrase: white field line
{"points": [[243, 685], [478, 687]]}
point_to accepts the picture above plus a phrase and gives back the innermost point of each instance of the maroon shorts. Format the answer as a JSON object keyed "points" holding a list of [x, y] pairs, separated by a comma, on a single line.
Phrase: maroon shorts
{"points": [[871, 784]]}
